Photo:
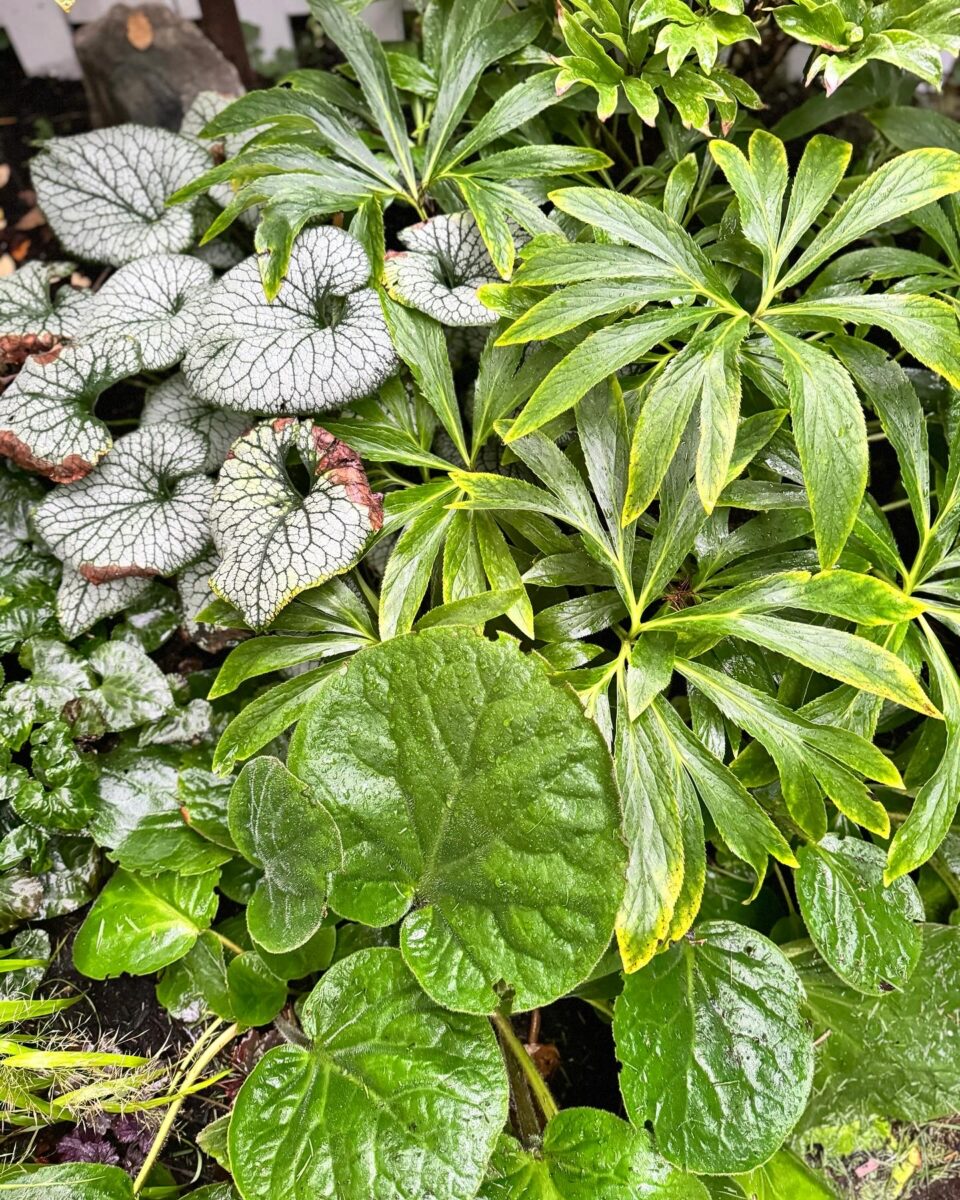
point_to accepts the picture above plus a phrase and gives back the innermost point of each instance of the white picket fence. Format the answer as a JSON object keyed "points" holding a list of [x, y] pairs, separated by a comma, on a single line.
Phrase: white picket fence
{"points": [[42, 36]]}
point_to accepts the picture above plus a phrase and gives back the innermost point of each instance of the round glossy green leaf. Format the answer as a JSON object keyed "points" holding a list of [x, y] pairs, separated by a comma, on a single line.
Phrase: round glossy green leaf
{"points": [[139, 924], [68, 1181], [104, 193], [204, 982], [586, 1155], [715, 1051], [868, 933], [394, 1099], [476, 802], [281, 828]]}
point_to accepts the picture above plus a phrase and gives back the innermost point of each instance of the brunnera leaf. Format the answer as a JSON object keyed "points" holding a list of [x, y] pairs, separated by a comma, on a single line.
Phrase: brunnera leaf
{"points": [[586, 1154], [444, 263], [393, 1098], [157, 300], [321, 343], [172, 402], [47, 422], [81, 604], [144, 511], [281, 828], [274, 542], [868, 933], [716, 1052], [476, 803], [28, 305], [104, 193]]}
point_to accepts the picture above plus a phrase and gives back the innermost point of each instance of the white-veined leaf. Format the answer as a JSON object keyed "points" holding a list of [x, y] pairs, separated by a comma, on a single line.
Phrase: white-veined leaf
{"points": [[321, 343], [144, 511], [157, 300], [274, 542], [47, 422], [104, 193], [81, 604], [27, 304], [172, 402]]}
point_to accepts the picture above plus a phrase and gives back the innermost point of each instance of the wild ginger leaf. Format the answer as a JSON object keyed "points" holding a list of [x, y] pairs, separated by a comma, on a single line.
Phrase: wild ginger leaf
{"points": [[728, 1085], [484, 820], [275, 542], [422, 1092]]}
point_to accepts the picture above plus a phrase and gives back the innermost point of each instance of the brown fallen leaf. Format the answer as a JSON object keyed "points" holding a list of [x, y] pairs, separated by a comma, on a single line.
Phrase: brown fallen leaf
{"points": [[4, 174], [31, 220], [79, 280], [7, 265], [139, 30]]}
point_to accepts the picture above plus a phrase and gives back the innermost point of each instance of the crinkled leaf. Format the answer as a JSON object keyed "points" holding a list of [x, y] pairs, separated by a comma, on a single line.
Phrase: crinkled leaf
{"points": [[47, 423], [394, 1098], [158, 301], [131, 689], [476, 801], [104, 192], [143, 512], [868, 933], [715, 1050], [29, 305], [321, 343], [280, 827], [139, 924], [172, 402], [274, 542], [439, 272]]}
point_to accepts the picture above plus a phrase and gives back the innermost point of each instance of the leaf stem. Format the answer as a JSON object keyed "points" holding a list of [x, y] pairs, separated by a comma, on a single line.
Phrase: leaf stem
{"points": [[171, 1115], [225, 941], [538, 1086]]}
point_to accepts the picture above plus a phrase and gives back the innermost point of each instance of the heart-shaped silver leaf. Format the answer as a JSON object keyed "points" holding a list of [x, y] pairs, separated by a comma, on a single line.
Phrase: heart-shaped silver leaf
{"points": [[322, 343], [158, 300], [144, 511], [104, 192], [172, 402], [274, 542], [27, 304], [47, 423], [439, 272], [80, 604]]}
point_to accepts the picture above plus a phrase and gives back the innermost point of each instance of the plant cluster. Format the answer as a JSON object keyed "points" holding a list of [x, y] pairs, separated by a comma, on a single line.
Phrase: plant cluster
{"points": [[555, 557]]}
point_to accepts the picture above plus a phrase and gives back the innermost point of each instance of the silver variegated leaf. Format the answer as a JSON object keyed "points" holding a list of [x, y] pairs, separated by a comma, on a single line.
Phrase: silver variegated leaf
{"points": [[47, 423], [322, 343], [104, 192], [201, 112], [144, 511], [439, 272], [204, 107], [80, 604], [172, 402], [274, 542], [27, 304], [193, 585], [158, 301]]}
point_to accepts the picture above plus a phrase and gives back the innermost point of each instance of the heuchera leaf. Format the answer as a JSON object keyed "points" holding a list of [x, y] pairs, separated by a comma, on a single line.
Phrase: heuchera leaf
{"points": [[715, 1050], [321, 343], [27, 304], [143, 512], [477, 803], [157, 300], [104, 193], [439, 273], [274, 542], [281, 828], [393, 1099], [172, 402], [47, 422]]}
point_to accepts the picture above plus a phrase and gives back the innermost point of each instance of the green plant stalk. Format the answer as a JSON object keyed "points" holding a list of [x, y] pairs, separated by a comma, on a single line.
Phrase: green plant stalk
{"points": [[166, 1125], [541, 1093]]}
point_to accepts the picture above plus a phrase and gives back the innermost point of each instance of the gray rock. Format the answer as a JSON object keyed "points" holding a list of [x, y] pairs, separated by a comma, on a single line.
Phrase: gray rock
{"points": [[146, 64]]}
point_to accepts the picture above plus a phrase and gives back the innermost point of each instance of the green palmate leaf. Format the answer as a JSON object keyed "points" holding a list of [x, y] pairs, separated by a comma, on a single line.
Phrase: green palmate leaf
{"points": [[866, 932], [281, 828], [893, 1056], [935, 803], [144, 511], [732, 1078], [138, 925], [319, 344], [831, 437], [70, 1181], [28, 306], [488, 803], [104, 192], [759, 184], [275, 542], [586, 1154], [47, 422], [396, 1098], [158, 301]]}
